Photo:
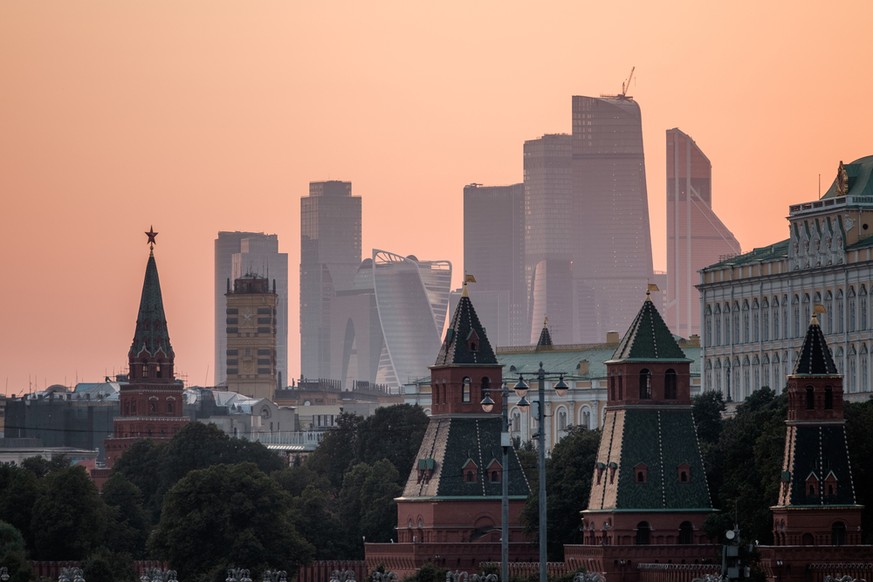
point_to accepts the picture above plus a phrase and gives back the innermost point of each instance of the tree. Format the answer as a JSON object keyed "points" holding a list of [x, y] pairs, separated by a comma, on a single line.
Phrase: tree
{"points": [[568, 484], [227, 514], [746, 464], [127, 523], [316, 517], [859, 419], [19, 490], [104, 565], [141, 466], [393, 433], [67, 519], [13, 554], [337, 450], [367, 506]]}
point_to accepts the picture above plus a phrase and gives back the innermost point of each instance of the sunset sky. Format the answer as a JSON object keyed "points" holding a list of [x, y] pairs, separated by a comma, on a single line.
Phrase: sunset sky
{"points": [[200, 116]]}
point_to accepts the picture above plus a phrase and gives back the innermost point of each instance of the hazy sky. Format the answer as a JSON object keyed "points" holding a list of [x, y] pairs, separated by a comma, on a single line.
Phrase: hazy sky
{"points": [[200, 116]]}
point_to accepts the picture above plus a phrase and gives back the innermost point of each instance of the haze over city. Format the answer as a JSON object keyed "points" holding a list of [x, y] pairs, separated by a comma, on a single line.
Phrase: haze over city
{"points": [[209, 116]]}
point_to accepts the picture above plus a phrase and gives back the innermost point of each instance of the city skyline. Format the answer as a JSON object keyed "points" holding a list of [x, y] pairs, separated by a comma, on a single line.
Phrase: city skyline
{"points": [[118, 116]]}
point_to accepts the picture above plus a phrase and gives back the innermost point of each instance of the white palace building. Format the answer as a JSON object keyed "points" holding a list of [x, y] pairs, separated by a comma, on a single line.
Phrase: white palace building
{"points": [[756, 306]]}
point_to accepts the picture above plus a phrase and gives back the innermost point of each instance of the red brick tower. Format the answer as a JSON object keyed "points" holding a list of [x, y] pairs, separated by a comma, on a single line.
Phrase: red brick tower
{"points": [[817, 522], [649, 494], [450, 510], [151, 403]]}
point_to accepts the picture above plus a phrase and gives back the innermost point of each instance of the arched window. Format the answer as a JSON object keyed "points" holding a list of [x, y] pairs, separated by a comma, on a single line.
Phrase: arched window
{"points": [[810, 398], [562, 419], [485, 385], [829, 398], [466, 389], [745, 338], [840, 315], [765, 319], [516, 421], [795, 312], [862, 307], [838, 533], [727, 324], [864, 375], [756, 321], [785, 316], [853, 321], [670, 384], [645, 384], [585, 418], [716, 340], [707, 326], [807, 313], [686, 533], [776, 329], [736, 319], [644, 534], [807, 539]]}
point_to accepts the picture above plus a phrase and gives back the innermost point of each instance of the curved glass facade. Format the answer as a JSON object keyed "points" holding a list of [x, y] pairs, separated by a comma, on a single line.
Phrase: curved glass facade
{"points": [[412, 299]]}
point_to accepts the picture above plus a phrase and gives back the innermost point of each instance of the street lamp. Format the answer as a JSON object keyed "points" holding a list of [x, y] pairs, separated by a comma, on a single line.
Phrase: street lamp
{"points": [[505, 443], [238, 575], [521, 389]]}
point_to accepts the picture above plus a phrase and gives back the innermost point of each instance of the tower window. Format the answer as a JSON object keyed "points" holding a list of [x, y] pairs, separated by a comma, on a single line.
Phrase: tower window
{"points": [[466, 389], [645, 384], [670, 384], [810, 398], [829, 398]]}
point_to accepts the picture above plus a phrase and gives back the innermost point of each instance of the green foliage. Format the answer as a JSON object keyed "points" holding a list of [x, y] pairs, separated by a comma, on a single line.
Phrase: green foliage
{"points": [[228, 514], [141, 465], [568, 483], [367, 506], [859, 419], [744, 468], [337, 451], [127, 523], [393, 433], [707, 409], [104, 565], [13, 554], [41, 467], [428, 573], [19, 490]]}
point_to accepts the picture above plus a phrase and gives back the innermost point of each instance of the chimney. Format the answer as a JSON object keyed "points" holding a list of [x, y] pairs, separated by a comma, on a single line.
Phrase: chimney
{"points": [[612, 337]]}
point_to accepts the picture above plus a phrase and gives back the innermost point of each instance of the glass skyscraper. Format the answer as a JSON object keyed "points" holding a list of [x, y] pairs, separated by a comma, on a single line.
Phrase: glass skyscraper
{"points": [[696, 238], [330, 252]]}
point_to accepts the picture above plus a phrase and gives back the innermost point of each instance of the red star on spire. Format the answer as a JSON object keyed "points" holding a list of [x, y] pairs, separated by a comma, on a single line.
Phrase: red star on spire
{"points": [[151, 234]]}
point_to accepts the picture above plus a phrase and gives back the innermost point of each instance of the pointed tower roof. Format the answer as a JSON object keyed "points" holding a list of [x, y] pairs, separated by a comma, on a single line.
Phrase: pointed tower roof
{"points": [[815, 356], [466, 341], [545, 341], [648, 338], [151, 333]]}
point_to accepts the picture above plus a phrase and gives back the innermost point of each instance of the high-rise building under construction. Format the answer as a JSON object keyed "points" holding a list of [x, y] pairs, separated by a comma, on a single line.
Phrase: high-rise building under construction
{"points": [[588, 243]]}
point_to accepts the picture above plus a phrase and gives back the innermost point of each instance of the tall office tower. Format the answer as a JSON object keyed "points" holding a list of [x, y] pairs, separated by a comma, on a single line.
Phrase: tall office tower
{"points": [[251, 337], [412, 299], [612, 259], [494, 255], [549, 226], [238, 254], [330, 252], [696, 238]]}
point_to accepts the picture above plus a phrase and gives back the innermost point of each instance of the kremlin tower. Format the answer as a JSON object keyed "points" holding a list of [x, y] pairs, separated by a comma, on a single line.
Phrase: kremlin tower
{"points": [[151, 403]]}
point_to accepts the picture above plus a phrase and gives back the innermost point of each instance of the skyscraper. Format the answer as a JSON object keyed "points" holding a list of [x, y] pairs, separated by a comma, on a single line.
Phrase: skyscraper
{"points": [[613, 259], [494, 254], [548, 236], [330, 252], [412, 298], [696, 238], [587, 238], [238, 254]]}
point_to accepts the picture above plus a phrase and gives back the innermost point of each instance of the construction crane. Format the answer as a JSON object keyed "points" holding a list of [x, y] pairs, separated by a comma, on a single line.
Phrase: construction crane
{"points": [[625, 86]]}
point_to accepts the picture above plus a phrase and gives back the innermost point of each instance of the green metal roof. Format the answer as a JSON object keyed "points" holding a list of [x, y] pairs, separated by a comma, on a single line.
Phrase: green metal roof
{"points": [[775, 252], [815, 355], [648, 338], [151, 332], [466, 341], [859, 182]]}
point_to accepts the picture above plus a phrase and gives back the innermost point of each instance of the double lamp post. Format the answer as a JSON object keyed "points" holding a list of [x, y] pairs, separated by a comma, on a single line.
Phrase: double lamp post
{"points": [[521, 389]]}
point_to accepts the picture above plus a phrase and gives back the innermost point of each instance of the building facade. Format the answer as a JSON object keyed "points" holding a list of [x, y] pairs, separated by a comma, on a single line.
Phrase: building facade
{"points": [[755, 306], [330, 252], [251, 338], [696, 237], [412, 300], [494, 255], [587, 238], [250, 253]]}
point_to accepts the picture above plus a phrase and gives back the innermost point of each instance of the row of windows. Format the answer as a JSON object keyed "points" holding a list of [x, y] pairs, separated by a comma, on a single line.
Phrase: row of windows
{"points": [[643, 534], [738, 378], [753, 321]]}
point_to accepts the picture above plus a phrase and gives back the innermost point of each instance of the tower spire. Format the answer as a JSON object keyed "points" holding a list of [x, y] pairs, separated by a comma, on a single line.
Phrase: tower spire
{"points": [[151, 339]]}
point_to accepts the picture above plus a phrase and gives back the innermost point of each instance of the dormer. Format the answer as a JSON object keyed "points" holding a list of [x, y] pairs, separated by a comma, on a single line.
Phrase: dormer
{"points": [[470, 472]]}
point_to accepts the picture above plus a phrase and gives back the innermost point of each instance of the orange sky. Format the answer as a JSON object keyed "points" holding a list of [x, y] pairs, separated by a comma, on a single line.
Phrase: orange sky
{"points": [[201, 116]]}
